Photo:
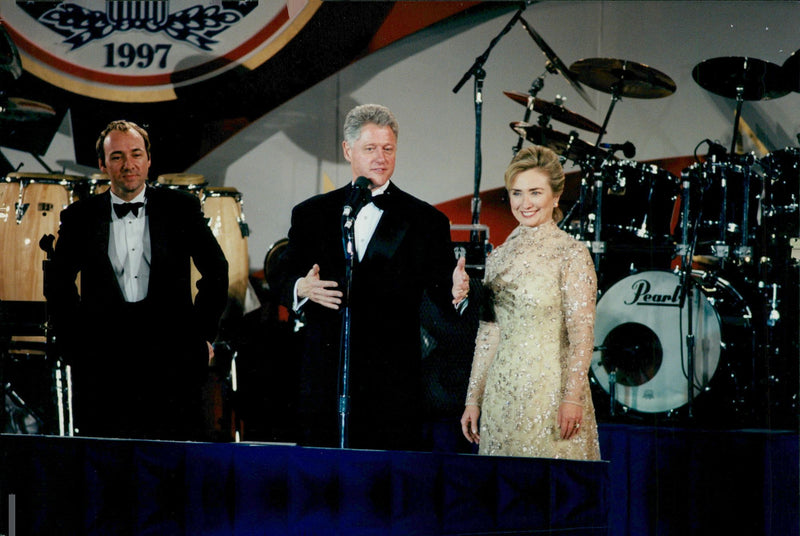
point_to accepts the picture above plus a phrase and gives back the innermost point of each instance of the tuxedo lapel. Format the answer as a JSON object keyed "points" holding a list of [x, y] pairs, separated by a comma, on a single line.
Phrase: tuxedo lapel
{"points": [[156, 221], [101, 215]]}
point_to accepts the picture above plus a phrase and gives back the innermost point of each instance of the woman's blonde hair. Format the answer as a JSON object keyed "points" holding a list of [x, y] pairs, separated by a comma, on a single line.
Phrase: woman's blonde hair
{"points": [[538, 157]]}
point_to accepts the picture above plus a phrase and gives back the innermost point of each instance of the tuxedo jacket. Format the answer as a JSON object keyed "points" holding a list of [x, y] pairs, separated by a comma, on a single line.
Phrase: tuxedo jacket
{"points": [[92, 315], [410, 253]]}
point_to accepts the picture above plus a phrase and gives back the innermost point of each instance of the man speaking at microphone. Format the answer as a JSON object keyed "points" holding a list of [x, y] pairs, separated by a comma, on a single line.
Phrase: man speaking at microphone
{"points": [[402, 249]]}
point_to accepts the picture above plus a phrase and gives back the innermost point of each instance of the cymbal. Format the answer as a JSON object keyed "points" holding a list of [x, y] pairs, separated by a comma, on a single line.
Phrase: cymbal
{"points": [[571, 147], [19, 110], [741, 77], [623, 78], [791, 71], [555, 111]]}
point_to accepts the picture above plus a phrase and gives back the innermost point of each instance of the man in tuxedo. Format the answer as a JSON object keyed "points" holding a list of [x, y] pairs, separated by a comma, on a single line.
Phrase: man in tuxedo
{"points": [[402, 249], [139, 346]]}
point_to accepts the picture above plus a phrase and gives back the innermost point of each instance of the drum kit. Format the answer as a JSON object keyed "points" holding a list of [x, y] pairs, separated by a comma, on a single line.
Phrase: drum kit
{"points": [[697, 274]]}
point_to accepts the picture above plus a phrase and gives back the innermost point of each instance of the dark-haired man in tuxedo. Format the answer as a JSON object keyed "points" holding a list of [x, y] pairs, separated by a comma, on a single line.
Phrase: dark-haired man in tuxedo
{"points": [[403, 249], [138, 344]]}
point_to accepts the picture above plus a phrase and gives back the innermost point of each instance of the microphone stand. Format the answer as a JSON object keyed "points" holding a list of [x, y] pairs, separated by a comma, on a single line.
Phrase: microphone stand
{"points": [[348, 240], [344, 386], [479, 73]]}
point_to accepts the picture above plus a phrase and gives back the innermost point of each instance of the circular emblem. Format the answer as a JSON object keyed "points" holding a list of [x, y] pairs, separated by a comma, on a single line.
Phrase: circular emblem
{"points": [[141, 50]]}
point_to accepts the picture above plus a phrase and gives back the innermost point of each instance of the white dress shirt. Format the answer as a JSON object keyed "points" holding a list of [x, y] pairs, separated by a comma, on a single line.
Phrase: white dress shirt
{"points": [[129, 250]]}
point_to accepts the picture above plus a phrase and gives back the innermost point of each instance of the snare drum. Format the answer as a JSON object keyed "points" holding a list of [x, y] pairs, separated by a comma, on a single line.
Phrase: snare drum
{"points": [[640, 335], [638, 200], [30, 207]]}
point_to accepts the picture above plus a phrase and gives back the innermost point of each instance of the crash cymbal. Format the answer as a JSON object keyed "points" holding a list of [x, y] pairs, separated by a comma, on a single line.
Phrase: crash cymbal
{"points": [[623, 78], [554, 111], [791, 71], [18, 110], [569, 146], [741, 77]]}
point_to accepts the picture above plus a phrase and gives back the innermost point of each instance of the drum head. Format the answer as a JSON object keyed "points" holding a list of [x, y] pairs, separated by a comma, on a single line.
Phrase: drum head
{"points": [[640, 335]]}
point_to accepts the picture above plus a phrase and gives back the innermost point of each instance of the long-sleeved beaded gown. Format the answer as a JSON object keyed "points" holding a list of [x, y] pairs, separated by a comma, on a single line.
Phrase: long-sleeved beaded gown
{"points": [[536, 351]]}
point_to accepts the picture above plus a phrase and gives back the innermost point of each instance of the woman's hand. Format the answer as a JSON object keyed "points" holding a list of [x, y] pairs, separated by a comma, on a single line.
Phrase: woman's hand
{"points": [[469, 424], [570, 416]]}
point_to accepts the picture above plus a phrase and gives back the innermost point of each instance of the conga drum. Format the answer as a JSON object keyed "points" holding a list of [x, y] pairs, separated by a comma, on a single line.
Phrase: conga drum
{"points": [[225, 210], [30, 207], [98, 183], [189, 182]]}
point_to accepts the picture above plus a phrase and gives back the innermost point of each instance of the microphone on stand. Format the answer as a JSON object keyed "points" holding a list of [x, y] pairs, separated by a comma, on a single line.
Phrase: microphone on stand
{"points": [[627, 148], [357, 199]]}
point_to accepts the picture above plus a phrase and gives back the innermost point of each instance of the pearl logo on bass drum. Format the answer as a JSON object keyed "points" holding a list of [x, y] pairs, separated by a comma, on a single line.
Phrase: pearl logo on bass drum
{"points": [[643, 294]]}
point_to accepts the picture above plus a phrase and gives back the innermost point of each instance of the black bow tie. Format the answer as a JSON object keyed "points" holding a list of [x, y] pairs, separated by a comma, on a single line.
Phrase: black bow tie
{"points": [[123, 208], [381, 200]]}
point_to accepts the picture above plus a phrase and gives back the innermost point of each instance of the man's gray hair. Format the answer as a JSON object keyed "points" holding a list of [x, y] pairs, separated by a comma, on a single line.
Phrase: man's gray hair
{"points": [[366, 114]]}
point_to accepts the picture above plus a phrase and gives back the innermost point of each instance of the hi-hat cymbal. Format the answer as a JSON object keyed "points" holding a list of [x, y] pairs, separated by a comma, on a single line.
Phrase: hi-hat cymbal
{"points": [[19, 110], [569, 146], [791, 71], [555, 111], [741, 78], [623, 78]]}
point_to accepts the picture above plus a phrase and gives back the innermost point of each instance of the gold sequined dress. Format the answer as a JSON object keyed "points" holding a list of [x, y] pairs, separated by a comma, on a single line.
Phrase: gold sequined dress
{"points": [[536, 351]]}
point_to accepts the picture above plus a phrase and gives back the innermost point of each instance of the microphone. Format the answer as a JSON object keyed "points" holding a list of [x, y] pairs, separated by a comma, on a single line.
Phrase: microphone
{"points": [[716, 152], [627, 148], [358, 197]]}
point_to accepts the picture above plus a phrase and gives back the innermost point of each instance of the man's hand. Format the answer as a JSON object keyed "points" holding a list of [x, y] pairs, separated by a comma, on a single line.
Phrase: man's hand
{"points": [[460, 281], [319, 291]]}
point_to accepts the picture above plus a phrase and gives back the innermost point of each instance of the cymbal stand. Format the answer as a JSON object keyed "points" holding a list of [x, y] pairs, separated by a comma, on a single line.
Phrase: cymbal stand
{"points": [[598, 247], [536, 86], [685, 249]]}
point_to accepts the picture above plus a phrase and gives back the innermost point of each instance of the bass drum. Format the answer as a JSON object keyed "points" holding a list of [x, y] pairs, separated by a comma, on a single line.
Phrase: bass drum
{"points": [[640, 335]]}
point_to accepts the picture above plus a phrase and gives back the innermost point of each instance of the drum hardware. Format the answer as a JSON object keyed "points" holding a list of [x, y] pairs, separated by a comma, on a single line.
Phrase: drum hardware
{"points": [[795, 245]]}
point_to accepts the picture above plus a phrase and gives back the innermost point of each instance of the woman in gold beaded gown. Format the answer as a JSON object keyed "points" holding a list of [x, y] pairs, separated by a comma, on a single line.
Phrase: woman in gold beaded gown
{"points": [[529, 385]]}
